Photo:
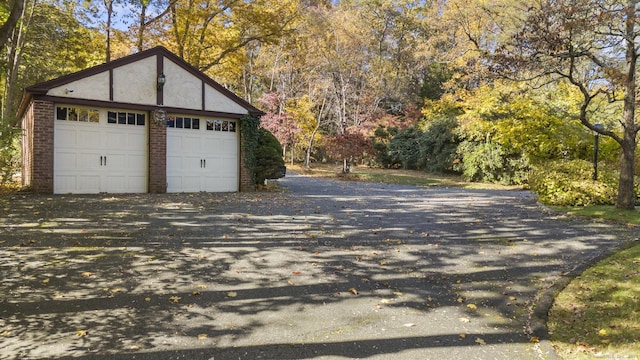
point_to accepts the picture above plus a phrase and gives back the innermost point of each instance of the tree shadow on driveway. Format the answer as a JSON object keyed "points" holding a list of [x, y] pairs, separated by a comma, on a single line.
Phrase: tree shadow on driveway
{"points": [[325, 270]]}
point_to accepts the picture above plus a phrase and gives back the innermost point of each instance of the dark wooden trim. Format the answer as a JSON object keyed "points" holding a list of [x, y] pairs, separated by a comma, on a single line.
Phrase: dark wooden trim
{"points": [[138, 107], [160, 68], [202, 91], [110, 84]]}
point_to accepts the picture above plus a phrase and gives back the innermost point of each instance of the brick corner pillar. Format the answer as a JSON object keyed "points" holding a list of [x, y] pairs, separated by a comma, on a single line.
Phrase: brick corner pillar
{"points": [[247, 160], [41, 128], [246, 174], [157, 157]]}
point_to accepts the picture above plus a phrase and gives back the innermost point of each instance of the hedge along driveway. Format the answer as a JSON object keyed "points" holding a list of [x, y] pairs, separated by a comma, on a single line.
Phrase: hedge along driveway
{"points": [[326, 270]]}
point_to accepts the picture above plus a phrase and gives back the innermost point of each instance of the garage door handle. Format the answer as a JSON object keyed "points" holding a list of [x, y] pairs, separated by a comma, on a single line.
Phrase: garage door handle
{"points": [[100, 160], [200, 163], [205, 162], [105, 161]]}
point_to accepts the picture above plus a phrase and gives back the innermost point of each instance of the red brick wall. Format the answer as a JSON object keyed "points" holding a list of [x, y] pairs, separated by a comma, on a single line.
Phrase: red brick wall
{"points": [[157, 157], [246, 175], [41, 136], [27, 147]]}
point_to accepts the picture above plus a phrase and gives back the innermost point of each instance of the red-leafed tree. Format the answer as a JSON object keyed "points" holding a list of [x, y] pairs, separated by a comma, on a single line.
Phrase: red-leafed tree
{"points": [[350, 147], [280, 123]]}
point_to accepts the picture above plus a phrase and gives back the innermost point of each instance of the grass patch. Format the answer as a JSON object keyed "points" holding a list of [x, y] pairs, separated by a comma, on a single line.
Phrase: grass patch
{"points": [[602, 212], [597, 314], [392, 176]]}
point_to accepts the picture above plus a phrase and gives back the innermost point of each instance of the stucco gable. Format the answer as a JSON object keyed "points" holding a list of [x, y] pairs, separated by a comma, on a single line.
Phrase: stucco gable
{"points": [[132, 80]]}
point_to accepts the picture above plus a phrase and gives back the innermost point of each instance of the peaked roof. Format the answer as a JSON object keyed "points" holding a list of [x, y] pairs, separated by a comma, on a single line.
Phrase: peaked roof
{"points": [[43, 87]]}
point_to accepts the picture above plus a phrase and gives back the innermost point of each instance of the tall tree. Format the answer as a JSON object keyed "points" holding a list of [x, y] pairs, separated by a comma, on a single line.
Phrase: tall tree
{"points": [[593, 45], [150, 12], [15, 13], [215, 33]]}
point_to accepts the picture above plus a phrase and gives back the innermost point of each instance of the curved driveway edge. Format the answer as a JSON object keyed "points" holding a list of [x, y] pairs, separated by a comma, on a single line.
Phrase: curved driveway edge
{"points": [[325, 270]]}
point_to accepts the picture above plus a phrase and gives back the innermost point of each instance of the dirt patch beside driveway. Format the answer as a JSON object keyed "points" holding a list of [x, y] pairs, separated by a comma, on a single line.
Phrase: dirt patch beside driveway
{"points": [[325, 270]]}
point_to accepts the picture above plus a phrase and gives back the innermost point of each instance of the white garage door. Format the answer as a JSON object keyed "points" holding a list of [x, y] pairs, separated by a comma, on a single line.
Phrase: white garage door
{"points": [[99, 151], [202, 155]]}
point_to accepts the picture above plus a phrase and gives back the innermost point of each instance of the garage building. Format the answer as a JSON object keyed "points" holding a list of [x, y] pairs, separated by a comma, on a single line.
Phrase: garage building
{"points": [[148, 122]]}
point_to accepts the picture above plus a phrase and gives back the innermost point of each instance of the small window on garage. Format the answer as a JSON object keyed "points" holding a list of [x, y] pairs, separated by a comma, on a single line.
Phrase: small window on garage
{"points": [[61, 113], [94, 116], [112, 117], [221, 125], [68, 113], [72, 114]]}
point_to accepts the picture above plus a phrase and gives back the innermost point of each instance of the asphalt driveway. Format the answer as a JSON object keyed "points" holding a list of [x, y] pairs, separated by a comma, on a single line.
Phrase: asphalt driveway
{"points": [[325, 270]]}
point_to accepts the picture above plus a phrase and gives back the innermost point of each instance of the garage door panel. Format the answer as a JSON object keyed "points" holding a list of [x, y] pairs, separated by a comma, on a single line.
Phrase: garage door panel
{"points": [[191, 183], [66, 160], [201, 160], [229, 146], [135, 162], [116, 162], [88, 139], [65, 138], [65, 183], [92, 157], [174, 162], [174, 183], [117, 183], [88, 184]]}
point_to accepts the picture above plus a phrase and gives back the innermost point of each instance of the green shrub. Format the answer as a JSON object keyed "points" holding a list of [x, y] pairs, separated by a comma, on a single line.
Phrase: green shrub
{"points": [[404, 148], [437, 145], [491, 162], [269, 161], [9, 153], [380, 143], [570, 183]]}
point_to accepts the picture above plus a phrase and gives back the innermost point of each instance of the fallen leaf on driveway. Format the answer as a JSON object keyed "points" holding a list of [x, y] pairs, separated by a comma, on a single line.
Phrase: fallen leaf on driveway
{"points": [[472, 306], [464, 320], [174, 299], [480, 341], [232, 294], [409, 325], [535, 340], [81, 333], [202, 336], [354, 291]]}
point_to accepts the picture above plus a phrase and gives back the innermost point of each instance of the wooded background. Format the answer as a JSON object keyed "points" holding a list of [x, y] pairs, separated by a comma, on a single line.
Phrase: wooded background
{"points": [[504, 91]]}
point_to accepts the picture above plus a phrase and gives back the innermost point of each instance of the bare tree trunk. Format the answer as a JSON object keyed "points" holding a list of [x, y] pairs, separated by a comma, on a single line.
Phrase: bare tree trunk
{"points": [[142, 26], [17, 7], [626, 195], [14, 58], [109, 5]]}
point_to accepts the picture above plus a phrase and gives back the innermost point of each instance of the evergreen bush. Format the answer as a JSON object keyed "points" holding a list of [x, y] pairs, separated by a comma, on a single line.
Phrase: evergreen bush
{"points": [[269, 161]]}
